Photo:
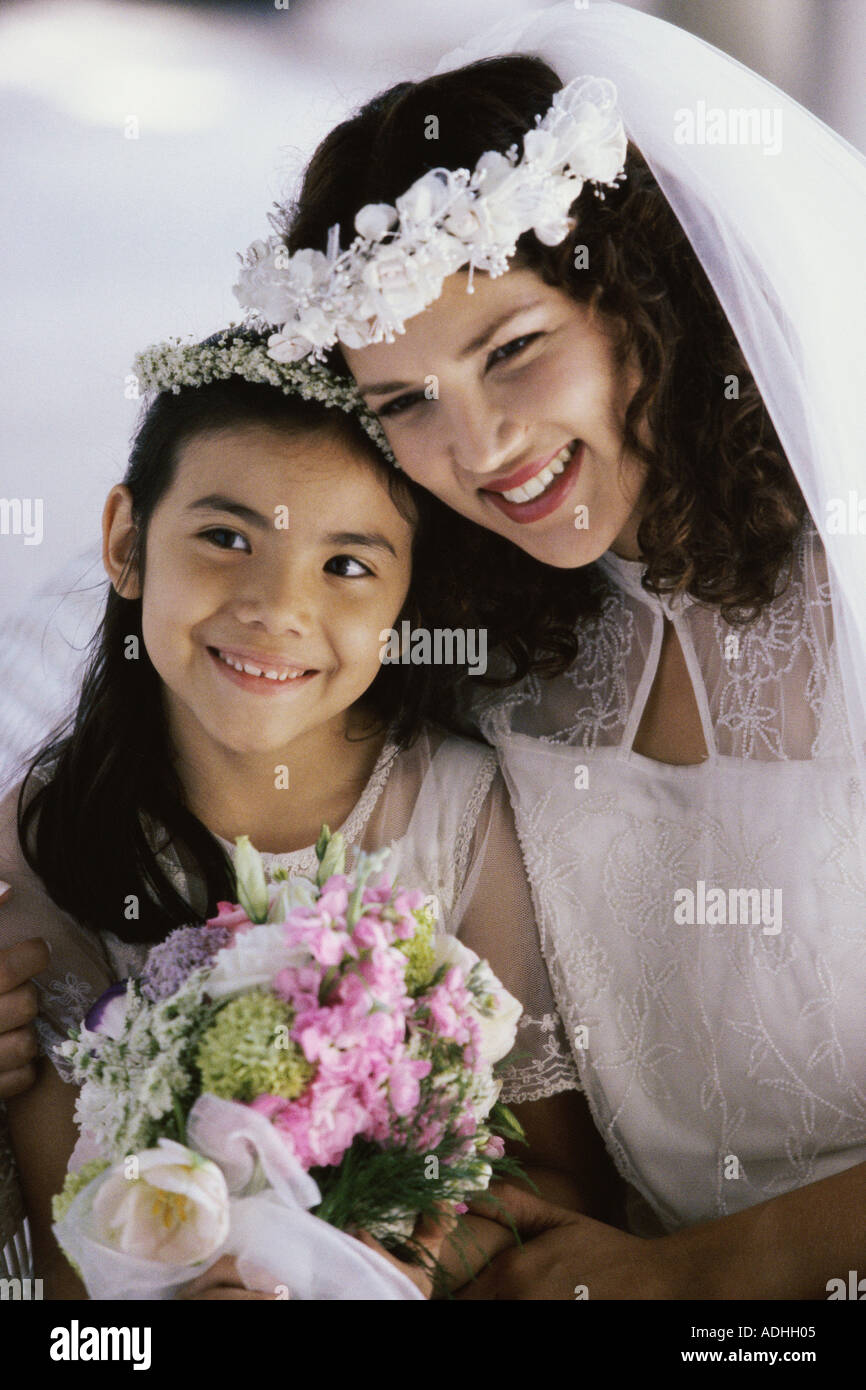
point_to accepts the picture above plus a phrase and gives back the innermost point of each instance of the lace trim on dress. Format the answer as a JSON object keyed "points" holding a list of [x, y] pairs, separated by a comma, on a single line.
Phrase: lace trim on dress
{"points": [[772, 689], [469, 819], [550, 1069], [304, 861]]}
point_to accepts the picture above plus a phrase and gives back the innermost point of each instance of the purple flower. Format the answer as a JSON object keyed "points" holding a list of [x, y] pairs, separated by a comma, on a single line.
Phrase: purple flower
{"points": [[184, 950], [107, 1014]]}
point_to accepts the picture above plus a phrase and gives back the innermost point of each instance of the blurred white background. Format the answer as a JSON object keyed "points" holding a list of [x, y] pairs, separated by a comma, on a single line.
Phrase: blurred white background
{"points": [[143, 145]]}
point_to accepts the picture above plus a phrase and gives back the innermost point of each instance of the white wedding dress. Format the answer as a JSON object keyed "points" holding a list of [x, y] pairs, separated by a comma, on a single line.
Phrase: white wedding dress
{"points": [[724, 1062]]}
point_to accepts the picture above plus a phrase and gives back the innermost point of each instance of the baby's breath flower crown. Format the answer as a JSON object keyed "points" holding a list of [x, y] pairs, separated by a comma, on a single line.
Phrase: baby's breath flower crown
{"points": [[448, 220], [239, 352]]}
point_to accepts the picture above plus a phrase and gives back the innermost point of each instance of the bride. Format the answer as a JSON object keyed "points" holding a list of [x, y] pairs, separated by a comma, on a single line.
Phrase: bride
{"points": [[644, 425], [643, 419]]}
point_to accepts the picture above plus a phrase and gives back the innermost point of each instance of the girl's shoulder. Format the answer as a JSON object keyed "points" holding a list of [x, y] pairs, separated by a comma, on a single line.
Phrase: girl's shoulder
{"points": [[450, 762]]}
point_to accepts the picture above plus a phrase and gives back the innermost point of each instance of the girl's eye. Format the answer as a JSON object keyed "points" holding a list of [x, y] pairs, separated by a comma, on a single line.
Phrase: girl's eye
{"points": [[216, 535], [347, 567], [400, 404], [511, 349]]}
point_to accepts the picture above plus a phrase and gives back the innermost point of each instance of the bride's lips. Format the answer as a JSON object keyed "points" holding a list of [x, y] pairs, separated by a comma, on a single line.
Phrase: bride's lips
{"points": [[543, 505], [259, 685]]}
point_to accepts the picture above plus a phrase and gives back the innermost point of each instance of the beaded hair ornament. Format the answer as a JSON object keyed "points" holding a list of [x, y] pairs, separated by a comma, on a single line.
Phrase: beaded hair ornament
{"points": [[446, 221], [297, 307], [172, 365]]}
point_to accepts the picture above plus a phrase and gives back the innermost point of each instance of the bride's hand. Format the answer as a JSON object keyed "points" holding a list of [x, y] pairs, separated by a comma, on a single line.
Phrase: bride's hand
{"points": [[568, 1256], [221, 1281], [431, 1233]]}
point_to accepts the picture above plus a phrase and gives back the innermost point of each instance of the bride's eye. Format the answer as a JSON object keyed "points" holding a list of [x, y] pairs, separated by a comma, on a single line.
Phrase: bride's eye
{"points": [[216, 535], [511, 349], [400, 404], [347, 567]]}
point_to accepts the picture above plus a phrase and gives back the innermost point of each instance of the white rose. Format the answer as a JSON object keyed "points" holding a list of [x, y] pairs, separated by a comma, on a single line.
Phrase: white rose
{"points": [[499, 1029], [175, 1212], [252, 961]]}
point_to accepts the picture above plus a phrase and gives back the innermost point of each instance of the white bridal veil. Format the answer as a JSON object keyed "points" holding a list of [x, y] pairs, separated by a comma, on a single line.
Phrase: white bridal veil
{"points": [[774, 204]]}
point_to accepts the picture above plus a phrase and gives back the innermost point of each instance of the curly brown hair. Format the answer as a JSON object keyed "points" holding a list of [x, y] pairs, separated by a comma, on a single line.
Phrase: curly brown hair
{"points": [[722, 506]]}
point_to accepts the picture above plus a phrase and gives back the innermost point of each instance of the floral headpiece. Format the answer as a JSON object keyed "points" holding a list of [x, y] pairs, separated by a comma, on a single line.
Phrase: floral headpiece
{"points": [[396, 265], [238, 352]]}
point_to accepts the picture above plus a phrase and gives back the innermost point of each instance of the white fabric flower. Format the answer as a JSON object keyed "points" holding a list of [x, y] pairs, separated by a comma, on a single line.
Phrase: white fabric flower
{"points": [[289, 347], [375, 220], [425, 200], [446, 220]]}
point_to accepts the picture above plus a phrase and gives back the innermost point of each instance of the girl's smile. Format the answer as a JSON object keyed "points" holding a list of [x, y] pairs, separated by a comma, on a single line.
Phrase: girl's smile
{"points": [[272, 563], [508, 404]]}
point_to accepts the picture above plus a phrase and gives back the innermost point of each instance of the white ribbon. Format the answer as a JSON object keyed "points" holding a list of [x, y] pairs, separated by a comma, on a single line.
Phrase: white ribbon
{"points": [[278, 1244]]}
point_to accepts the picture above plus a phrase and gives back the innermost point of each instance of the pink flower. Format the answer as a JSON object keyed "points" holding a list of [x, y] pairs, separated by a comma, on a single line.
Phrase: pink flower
{"points": [[269, 1106], [231, 916], [334, 899], [403, 1086], [369, 932], [329, 946]]}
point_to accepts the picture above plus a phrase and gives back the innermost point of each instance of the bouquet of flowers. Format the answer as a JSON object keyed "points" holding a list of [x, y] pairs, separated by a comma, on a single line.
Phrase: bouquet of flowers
{"points": [[314, 1058]]}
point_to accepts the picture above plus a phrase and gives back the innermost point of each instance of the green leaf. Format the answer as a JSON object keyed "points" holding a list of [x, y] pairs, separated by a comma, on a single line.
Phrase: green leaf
{"points": [[506, 1123]]}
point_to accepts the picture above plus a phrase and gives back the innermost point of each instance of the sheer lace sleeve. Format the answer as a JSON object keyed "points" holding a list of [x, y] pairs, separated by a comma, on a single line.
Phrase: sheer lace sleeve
{"points": [[79, 971], [495, 918]]}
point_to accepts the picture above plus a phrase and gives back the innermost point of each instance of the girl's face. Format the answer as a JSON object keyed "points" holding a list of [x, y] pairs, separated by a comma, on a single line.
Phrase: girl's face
{"points": [[277, 552], [508, 404]]}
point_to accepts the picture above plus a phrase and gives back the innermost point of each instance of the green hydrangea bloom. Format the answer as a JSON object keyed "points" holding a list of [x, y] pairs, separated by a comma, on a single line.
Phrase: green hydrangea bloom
{"points": [[74, 1183], [419, 953], [246, 1051]]}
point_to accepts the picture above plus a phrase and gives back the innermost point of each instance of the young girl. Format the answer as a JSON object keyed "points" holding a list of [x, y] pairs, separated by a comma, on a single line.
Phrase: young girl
{"points": [[258, 550], [631, 526]]}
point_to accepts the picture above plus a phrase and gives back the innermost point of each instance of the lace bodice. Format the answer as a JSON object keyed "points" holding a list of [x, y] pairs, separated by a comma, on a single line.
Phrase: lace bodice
{"points": [[720, 1048]]}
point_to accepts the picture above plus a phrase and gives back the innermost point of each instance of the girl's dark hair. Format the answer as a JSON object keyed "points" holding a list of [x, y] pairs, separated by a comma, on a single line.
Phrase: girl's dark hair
{"points": [[723, 508], [88, 792]]}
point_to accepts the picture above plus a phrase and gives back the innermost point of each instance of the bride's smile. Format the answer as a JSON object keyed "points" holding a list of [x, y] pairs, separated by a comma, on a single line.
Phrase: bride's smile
{"points": [[507, 403]]}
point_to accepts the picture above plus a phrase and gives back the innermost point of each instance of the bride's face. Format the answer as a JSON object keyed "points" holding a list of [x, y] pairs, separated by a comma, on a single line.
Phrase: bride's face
{"points": [[508, 404]]}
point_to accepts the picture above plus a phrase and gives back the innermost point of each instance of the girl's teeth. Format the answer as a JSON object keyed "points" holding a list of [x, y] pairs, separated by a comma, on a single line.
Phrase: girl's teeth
{"points": [[246, 666], [537, 485]]}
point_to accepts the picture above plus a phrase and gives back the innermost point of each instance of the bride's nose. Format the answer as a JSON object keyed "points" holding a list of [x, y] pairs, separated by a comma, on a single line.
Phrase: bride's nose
{"points": [[482, 433]]}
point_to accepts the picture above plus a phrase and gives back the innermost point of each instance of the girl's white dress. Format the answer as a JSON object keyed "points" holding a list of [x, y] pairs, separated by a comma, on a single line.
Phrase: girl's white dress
{"points": [[721, 1051], [442, 806]]}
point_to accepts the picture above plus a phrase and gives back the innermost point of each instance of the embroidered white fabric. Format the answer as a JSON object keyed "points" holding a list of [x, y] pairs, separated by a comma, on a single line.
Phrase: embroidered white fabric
{"points": [[443, 807], [723, 1062]]}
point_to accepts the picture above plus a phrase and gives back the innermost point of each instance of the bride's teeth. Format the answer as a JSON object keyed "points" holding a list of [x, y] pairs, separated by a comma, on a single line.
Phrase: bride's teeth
{"points": [[251, 670], [542, 480], [536, 485]]}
